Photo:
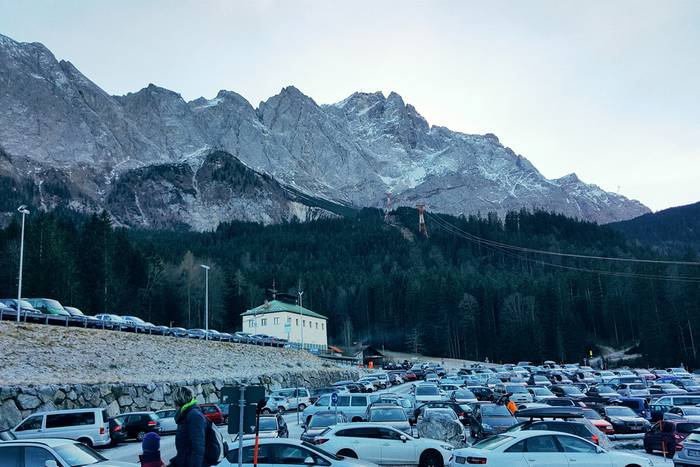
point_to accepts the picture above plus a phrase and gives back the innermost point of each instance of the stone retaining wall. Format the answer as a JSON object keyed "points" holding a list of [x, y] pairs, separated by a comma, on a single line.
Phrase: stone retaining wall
{"points": [[17, 402]]}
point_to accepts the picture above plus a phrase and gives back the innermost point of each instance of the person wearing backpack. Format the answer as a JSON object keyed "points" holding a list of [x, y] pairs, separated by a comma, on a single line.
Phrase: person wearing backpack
{"points": [[191, 435]]}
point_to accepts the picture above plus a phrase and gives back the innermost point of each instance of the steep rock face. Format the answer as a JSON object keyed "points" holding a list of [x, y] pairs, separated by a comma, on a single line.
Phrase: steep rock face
{"points": [[61, 131]]}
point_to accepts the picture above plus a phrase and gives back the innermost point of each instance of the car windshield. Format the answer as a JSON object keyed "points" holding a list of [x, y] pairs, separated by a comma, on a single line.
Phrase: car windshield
{"points": [[315, 448], [135, 319], [405, 403], [322, 420], [541, 391], [76, 312], [495, 411], [427, 391], [516, 389], [667, 386], [607, 373], [638, 387], [591, 414], [691, 410], [25, 304], [268, 424], [540, 378], [444, 412], [605, 390], [464, 395], [390, 414], [492, 443], [571, 390], [77, 454], [620, 412]]}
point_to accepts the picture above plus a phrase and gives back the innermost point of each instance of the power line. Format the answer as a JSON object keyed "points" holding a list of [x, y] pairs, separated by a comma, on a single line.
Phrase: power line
{"points": [[554, 253], [451, 229]]}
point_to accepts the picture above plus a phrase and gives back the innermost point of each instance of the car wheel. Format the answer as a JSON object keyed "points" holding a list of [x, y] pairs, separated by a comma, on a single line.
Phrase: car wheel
{"points": [[140, 435], [301, 407], [347, 453], [85, 441], [430, 459]]}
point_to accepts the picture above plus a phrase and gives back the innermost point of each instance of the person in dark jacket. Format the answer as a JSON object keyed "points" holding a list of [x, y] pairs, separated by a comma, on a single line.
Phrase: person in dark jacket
{"points": [[190, 438], [151, 451]]}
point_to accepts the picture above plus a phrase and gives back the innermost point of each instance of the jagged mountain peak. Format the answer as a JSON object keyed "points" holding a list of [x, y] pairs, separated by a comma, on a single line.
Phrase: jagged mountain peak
{"points": [[568, 179]]}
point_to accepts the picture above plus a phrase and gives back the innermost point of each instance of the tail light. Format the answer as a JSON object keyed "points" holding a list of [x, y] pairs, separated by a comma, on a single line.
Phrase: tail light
{"points": [[476, 460], [152, 423], [460, 415], [102, 430], [595, 439], [118, 428], [679, 446], [320, 440]]}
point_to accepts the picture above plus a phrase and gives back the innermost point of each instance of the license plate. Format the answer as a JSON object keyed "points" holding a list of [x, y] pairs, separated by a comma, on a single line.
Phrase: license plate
{"points": [[693, 453]]}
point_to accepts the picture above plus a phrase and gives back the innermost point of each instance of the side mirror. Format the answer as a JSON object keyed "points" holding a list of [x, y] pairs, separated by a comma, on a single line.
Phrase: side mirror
{"points": [[599, 450], [404, 438], [309, 461], [50, 463]]}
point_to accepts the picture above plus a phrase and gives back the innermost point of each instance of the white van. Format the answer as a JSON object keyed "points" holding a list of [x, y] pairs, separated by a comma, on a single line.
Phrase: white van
{"points": [[89, 426]]}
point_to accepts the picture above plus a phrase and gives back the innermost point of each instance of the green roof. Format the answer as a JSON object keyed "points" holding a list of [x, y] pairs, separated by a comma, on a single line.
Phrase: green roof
{"points": [[277, 306]]}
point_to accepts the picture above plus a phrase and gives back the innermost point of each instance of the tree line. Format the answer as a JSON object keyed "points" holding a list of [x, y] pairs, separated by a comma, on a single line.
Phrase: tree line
{"points": [[379, 283]]}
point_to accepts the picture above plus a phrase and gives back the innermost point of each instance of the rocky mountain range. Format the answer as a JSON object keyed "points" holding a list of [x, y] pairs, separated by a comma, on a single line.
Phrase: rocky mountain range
{"points": [[154, 160]]}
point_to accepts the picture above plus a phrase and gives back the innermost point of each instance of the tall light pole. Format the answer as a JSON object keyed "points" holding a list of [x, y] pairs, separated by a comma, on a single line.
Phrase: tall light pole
{"points": [[24, 211], [206, 300], [301, 314]]}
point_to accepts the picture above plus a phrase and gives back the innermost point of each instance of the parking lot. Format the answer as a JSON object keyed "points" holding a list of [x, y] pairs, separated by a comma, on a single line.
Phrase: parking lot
{"points": [[129, 451]]}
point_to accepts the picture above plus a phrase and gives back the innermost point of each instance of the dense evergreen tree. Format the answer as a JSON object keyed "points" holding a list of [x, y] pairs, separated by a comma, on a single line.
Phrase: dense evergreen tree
{"points": [[379, 283]]}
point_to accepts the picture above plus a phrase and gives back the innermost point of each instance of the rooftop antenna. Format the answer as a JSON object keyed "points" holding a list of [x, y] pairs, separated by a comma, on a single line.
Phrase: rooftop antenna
{"points": [[422, 228], [274, 289]]}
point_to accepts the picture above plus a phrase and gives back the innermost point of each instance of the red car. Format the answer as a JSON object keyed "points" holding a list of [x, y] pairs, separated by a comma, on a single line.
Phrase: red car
{"points": [[213, 413], [598, 421], [409, 376]]}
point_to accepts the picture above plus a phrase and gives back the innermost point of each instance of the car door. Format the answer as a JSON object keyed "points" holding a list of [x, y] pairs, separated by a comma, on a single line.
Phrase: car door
{"points": [[37, 456], [289, 454], [394, 450], [30, 428], [580, 453], [544, 451], [366, 442]]}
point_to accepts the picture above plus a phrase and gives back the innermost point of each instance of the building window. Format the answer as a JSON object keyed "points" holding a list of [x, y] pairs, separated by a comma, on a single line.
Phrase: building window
{"points": [[289, 320], [316, 325], [275, 321], [323, 326], [297, 321], [250, 323], [304, 323], [263, 322]]}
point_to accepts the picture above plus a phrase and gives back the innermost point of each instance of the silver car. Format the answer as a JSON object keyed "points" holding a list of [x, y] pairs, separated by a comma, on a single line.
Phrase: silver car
{"points": [[166, 418], [53, 452], [388, 414]]}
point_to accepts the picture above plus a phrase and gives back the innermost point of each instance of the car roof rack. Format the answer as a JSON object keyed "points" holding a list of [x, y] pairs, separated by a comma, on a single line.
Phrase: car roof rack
{"points": [[551, 412]]}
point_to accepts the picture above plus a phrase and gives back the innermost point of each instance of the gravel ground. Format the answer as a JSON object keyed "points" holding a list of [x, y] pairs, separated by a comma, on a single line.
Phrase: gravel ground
{"points": [[41, 354]]}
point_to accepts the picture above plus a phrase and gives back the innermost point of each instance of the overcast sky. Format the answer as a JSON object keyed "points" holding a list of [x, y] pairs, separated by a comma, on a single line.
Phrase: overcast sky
{"points": [[607, 89]]}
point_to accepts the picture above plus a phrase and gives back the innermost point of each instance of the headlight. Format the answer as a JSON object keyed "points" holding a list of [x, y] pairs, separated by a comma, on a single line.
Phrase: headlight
{"points": [[446, 447], [461, 460]]}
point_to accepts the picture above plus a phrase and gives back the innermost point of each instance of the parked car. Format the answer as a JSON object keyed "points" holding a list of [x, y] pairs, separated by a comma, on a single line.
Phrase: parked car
{"points": [[137, 424], [661, 405], [426, 393], [117, 433], [213, 413], [625, 420], [389, 414], [78, 315], [689, 384], [28, 311], [462, 411], [383, 445], [89, 426], [269, 426], [319, 422], [602, 390], [569, 391], [638, 404], [196, 333], [299, 398], [546, 448], [135, 323], [463, 396], [633, 390], [566, 420], [689, 413], [276, 451], [667, 436], [598, 421], [482, 393], [490, 419], [53, 451], [539, 380], [517, 392], [111, 321], [354, 406], [178, 332], [689, 455], [166, 418], [540, 393], [48, 306]]}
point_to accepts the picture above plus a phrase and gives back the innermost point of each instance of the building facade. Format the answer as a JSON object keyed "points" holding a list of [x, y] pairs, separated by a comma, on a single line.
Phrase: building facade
{"points": [[287, 321]]}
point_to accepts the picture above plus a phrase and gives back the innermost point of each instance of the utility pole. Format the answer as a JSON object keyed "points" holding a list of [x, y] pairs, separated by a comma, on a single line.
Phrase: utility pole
{"points": [[301, 313], [206, 300], [421, 219], [387, 207], [24, 211]]}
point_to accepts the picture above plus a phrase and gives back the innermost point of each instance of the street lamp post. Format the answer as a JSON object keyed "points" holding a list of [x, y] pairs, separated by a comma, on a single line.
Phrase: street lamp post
{"points": [[206, 300], [301, 315], [24, 211]]}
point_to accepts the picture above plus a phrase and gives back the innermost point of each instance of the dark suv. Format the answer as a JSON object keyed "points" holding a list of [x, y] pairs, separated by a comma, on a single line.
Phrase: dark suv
{"points": [[137, 424], [490, 419], [667, 436]]}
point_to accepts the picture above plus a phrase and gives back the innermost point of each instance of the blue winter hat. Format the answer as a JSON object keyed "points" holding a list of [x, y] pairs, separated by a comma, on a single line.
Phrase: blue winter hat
{"points": [[151, 442]]}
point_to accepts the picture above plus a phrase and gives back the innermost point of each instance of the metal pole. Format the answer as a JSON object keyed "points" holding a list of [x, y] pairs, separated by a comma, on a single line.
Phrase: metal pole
{"points": [[23, 210], [301, 314], [241, 404], [206, 301]]}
